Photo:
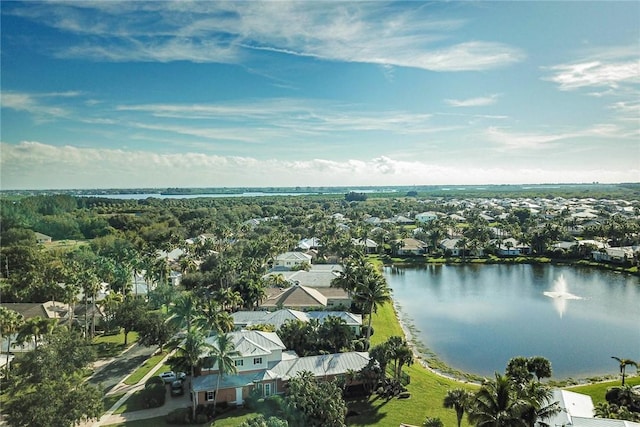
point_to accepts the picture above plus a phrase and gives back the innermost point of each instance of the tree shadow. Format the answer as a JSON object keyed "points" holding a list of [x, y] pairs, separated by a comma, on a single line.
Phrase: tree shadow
{"points": [[365, 410]]}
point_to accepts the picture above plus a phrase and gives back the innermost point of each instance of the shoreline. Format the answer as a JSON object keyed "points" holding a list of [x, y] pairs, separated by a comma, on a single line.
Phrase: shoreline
{"points": [[419, 356]]}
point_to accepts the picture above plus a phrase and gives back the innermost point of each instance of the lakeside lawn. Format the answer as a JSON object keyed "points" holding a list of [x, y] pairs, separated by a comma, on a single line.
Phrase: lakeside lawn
{"points": [[427, 388], [597, 391]]}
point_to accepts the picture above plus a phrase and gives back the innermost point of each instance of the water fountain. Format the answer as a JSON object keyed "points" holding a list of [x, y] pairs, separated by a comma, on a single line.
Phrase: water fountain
{"points": [[560, 295]]}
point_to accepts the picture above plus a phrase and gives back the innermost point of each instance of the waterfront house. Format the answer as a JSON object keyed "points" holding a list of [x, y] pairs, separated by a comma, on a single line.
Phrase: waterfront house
{"points": [[264, 364]]}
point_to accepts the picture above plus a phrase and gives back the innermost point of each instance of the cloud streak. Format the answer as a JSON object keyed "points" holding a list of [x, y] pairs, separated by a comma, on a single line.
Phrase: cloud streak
{"points": [[473, 102], [232, 32]]}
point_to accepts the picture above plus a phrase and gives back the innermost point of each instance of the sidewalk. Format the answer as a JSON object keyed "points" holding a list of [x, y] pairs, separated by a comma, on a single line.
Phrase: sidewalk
{"points": [[171, 402]]}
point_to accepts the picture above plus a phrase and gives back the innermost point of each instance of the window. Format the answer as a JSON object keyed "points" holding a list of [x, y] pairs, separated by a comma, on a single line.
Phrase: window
{"points": [[239, 362], [257, 360], [210, 396], [267, 389]]}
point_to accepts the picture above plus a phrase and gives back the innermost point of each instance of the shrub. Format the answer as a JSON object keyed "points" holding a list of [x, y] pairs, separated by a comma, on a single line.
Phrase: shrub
{"points": [[154, 395], [154, 380], [179, 416]]}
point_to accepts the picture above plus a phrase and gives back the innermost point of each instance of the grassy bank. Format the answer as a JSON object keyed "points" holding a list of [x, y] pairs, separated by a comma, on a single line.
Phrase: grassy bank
{"points": [[597, 391], [427, 388]]}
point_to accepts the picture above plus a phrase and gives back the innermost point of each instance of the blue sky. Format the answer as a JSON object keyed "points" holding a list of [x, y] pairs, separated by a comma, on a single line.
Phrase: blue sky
{"points": [[211, 94]]}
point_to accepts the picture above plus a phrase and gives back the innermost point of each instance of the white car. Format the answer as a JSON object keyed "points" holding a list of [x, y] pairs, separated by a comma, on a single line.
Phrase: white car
{"points": [[168, 377]]}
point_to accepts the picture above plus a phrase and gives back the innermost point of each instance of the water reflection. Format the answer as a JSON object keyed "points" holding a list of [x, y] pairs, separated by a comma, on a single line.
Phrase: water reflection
{"points": [[560, 295]]}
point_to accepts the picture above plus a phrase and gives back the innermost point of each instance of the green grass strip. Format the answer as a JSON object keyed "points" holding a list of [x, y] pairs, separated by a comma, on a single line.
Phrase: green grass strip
{"points": [[144, 369]]}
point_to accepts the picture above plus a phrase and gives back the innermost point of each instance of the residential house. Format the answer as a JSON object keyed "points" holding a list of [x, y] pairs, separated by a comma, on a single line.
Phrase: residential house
{"points": [[615, 255], [307, 244], [42, 238], [512, 247], [369, 245], [264, 364], [426, 217], [243, 319], [291, 260], [318, 276], [402, 220], [451, 246], [411, 246], [577, 410], [46, 310], [305, 298]]}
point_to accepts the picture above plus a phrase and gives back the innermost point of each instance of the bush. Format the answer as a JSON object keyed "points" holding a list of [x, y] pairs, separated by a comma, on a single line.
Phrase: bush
{"points": [[363, 331], [154, 380], [179, 416], [154, 395]]}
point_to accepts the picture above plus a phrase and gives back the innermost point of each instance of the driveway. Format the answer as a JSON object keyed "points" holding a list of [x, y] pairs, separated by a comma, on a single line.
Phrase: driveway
{"points": [[170, 404]]}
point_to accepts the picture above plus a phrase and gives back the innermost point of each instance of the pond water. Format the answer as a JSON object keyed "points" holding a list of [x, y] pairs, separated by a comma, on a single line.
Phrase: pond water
{"points": [[476, 317]]}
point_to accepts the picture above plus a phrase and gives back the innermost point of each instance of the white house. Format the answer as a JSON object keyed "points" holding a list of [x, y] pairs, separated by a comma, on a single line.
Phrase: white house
{"points": [[243, 319], [426, 217], [263, 363], [577, 410], [290, 260]]}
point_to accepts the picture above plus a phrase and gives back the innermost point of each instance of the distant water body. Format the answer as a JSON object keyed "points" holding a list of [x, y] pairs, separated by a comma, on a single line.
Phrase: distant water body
{"points": [[142, 196], [476, 317]]}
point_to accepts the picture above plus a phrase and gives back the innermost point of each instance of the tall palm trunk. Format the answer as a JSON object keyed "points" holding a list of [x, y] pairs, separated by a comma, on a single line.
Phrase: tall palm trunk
{"points": [[368, 335]]}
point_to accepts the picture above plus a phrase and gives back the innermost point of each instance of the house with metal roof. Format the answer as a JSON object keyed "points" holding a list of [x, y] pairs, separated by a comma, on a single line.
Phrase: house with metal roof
{"points": [[577, 410], [290, 260], [264, 364], [243, 319]]}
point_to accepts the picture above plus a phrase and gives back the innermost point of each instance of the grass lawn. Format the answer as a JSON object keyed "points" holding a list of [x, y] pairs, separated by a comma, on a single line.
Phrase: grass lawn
{"points": [[143, 370], [132, 404], [598, 390], [109, 401], [230, 419], [427, 389], [112, 345]]}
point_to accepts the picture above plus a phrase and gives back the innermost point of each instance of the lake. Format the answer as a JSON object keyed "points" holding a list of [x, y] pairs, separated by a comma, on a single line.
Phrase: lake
{"points": [[476, 317]]}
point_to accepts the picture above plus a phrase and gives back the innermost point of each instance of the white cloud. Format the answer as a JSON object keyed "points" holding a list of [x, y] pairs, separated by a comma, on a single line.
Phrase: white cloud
{"points": [[610, 69], [32, 104], [40, 166], [595, 74], [226, 32], [473, 102], [508, 140]]}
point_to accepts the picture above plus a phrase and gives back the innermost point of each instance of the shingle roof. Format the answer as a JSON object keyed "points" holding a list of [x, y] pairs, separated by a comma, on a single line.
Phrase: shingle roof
{"points": [[297, 296]]}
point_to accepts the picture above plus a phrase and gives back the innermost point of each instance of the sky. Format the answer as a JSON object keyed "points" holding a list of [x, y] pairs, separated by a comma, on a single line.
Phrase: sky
{"points": [[108, 94]]}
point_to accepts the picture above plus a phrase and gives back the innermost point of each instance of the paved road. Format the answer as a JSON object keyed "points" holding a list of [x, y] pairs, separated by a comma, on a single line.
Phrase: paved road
{"points": [[121, 366]]}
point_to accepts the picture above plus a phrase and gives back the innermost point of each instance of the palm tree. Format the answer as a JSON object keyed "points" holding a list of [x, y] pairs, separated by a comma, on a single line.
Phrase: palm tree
{"points": [[183, 310], [10, 323], [191, 351], [335, 332], [623, 365], [223, 353], [35, 328], [539, 404], [371, 293], [212, 317], [496, 404], [458, 399]]}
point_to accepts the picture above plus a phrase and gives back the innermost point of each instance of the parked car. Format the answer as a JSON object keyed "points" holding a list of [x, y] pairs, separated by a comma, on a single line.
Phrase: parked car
{"points": [[177, 389], [168, 377]]}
